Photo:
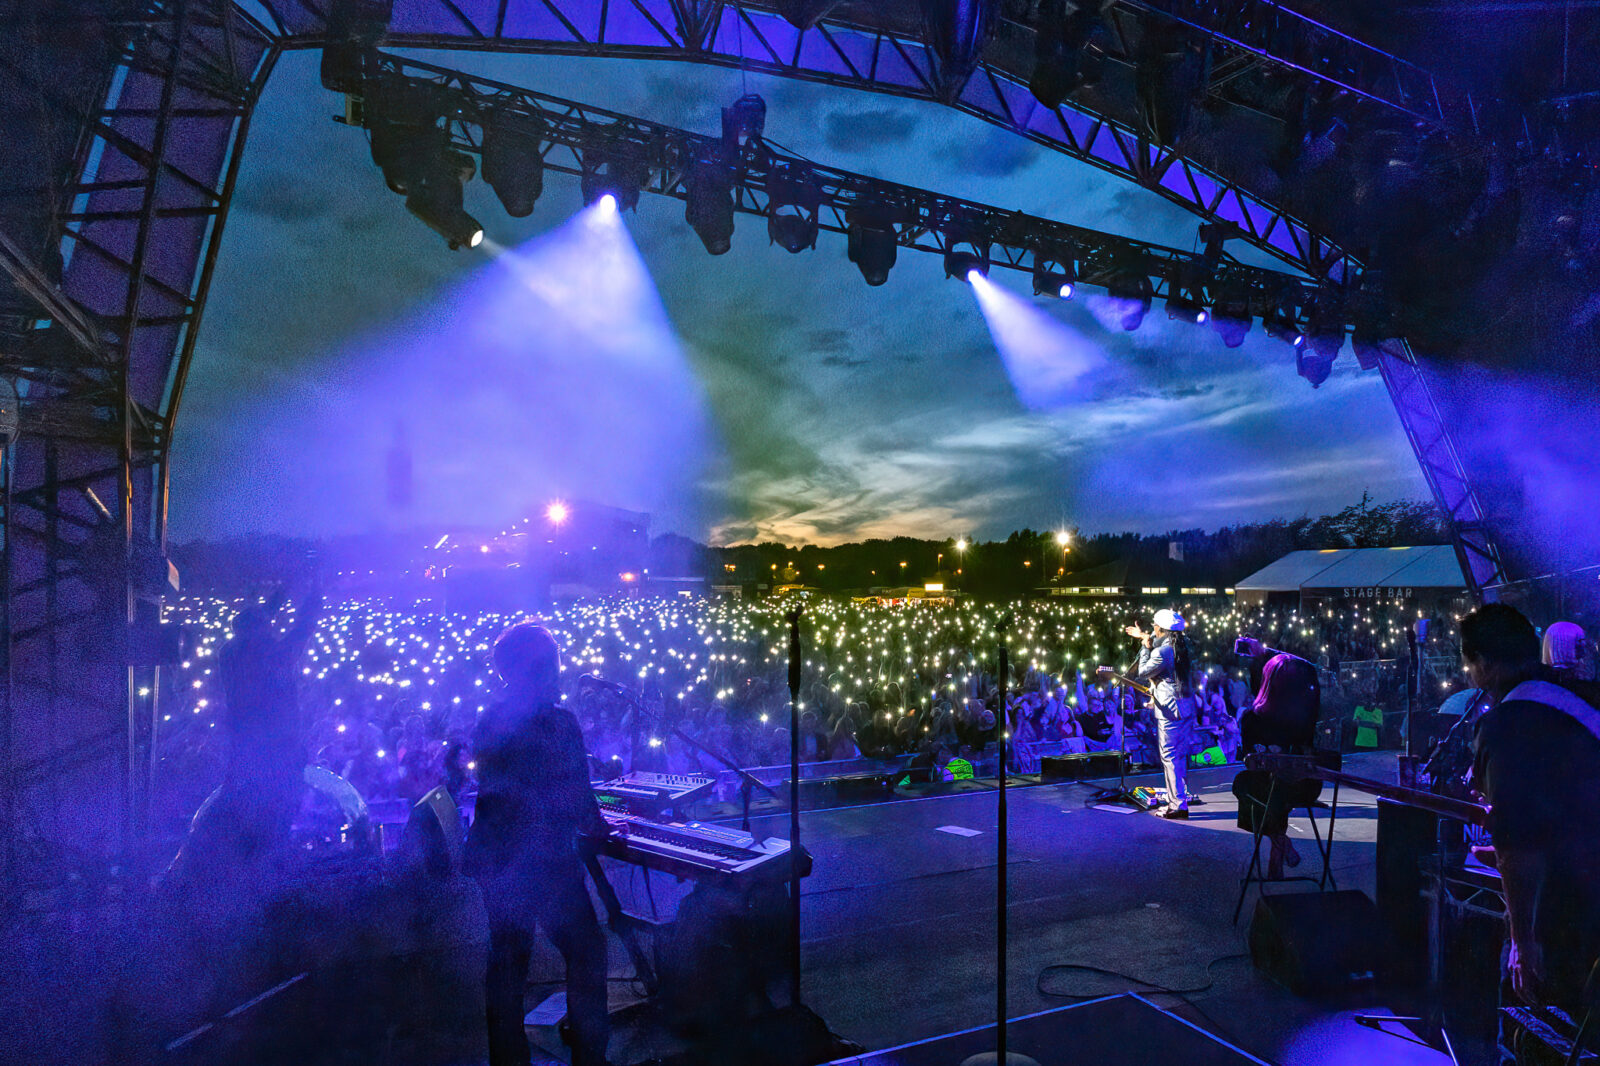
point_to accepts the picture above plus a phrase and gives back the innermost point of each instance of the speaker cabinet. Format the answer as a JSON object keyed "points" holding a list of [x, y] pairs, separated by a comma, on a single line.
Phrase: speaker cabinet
{"points": [[1314, 943]]}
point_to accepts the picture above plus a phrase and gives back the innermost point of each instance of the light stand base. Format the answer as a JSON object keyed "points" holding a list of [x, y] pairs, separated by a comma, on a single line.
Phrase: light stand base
{"points": [[992, 1058]]}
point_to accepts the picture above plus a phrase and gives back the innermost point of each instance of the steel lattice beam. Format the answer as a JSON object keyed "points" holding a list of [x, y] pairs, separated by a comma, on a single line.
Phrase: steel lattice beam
{"points": [[1476, 546], [849, 54], [1017, 241]]}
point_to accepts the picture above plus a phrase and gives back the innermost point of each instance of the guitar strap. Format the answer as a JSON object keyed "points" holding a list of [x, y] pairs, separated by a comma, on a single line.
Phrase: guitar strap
{"points": [[1566, 702]]}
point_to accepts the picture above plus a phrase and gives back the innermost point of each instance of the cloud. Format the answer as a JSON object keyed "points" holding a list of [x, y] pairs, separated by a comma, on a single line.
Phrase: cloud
{"points": [[284, 197], [991, 152], [852, 131]]}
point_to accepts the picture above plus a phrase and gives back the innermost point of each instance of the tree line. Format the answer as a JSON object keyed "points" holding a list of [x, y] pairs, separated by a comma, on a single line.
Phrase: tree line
{"points": [[1026, 559]]}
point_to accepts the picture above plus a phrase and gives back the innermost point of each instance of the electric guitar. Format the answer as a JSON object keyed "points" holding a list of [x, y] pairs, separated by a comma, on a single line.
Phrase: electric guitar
{"points": [[1138, 686], [1299, 767]]}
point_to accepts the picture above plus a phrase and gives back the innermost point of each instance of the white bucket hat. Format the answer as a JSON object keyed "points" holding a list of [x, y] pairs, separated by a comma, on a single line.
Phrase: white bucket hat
{"points": [[1170, 620]]}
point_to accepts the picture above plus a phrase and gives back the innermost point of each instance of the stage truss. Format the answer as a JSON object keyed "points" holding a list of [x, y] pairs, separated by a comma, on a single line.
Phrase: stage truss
{"points": [[112, 228]]}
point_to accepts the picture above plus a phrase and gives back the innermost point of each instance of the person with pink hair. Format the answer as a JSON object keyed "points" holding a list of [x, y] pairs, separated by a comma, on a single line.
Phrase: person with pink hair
{"points": [[1283, 719]]}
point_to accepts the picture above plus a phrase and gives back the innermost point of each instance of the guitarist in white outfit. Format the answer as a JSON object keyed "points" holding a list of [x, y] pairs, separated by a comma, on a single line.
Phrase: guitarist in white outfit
{"points": [[1164, 666]]}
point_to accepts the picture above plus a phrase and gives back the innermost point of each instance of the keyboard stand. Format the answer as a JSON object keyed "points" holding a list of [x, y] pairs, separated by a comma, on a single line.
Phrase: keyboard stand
{"points": [[621, 923]]}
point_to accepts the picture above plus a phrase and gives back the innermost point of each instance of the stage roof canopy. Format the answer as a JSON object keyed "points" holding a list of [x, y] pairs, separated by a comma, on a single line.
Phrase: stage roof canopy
{"points": [[1431, 566]]}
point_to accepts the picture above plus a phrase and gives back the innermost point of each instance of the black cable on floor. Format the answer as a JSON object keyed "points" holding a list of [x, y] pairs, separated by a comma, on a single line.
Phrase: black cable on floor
{"points": [[1181, 993], [1150, 985]]}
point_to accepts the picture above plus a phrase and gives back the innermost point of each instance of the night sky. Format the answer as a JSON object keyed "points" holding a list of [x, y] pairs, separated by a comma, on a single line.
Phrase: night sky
{"points": [[766, 396]]}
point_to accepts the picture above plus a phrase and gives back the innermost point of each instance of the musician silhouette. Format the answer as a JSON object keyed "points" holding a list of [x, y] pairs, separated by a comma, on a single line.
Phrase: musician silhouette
{"points": [[534, 801]]}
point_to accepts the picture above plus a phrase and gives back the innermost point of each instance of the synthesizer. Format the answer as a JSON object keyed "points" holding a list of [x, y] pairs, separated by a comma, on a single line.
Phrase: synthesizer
{"points": [[645, 792], [697, 850]]}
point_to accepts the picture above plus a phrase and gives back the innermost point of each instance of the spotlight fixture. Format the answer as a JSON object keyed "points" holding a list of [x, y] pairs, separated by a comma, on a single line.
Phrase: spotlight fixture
{"points": [[1130, 291], [512, 165], [965, 250], [1230, 315], [437, 200], [617, 168], [793, 200], [407, 138], [1280, 323], [872, 240], [1186, 303], [744, 120], [354, 29], [1325, 325], [1313, 366], [1054, 275], [1214, 235], [709, 185], [1064, 57], [1170, 77]]}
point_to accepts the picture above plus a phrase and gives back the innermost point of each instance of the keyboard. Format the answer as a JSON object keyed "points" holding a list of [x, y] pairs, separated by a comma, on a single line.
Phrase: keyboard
{"points": [[697, 850]]}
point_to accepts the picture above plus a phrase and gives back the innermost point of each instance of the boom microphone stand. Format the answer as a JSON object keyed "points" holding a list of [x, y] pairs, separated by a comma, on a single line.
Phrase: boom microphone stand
{"points": [[1122, 793], [748, 782]]}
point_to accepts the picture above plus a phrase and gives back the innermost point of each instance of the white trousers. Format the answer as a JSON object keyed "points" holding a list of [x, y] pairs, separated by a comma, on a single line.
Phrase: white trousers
{"points": [[1175, 738]]}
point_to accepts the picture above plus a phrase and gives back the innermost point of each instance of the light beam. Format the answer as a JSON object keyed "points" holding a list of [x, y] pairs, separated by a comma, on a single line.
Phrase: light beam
{"points": [[1046, 360]]}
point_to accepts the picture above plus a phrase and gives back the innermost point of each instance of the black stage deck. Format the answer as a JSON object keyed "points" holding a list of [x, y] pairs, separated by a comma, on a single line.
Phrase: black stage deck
{"points": [[899, 919], [1121, 1030]]}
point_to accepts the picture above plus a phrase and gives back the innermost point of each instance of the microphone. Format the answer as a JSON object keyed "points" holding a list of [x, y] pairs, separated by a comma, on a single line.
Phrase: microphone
{"points": [[592, 681]]}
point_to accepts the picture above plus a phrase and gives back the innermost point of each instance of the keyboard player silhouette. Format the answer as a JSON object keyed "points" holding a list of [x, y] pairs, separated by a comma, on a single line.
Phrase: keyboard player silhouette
{"points": [[534, 801]]}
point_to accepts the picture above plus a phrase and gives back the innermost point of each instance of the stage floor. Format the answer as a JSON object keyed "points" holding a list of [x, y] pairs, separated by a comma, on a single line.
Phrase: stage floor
{"points": [[899, 917]]}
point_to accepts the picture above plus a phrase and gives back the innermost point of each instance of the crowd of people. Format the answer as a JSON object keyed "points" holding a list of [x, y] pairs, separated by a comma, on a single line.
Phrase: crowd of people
{"points": [[389, 695]]}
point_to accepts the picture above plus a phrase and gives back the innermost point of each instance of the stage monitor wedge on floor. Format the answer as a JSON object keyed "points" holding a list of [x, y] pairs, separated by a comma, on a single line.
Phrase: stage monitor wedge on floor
{"points": [[1316, 942]]}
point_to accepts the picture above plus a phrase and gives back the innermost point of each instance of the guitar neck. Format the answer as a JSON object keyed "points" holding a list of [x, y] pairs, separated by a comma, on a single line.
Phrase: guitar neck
{"points": [[1299, 767], [1138, 686], [1444, 806]]}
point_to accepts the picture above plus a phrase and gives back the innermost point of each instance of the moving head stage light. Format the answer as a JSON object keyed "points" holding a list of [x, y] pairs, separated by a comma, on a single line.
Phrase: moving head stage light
{"points": [[419, 111], [512, 165]]}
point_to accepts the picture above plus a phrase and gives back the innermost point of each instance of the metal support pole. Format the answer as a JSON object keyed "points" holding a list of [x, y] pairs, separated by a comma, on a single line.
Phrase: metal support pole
{"points": [[794, 806], [1001, 879], [137, 527], [8, 778]]}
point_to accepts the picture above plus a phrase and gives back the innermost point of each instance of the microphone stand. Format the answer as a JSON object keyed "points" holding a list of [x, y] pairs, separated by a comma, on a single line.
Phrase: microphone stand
{"points": [[795, 664], [1000, 1055], [1122, 793]]}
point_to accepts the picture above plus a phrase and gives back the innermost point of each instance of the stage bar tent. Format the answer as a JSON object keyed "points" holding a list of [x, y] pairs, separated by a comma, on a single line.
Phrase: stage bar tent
{"points": [[1424, 576]]}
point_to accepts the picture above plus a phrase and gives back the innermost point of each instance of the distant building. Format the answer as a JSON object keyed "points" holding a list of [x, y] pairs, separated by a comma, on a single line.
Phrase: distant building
{"points": [[1156, 579], [1426, 577]]}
